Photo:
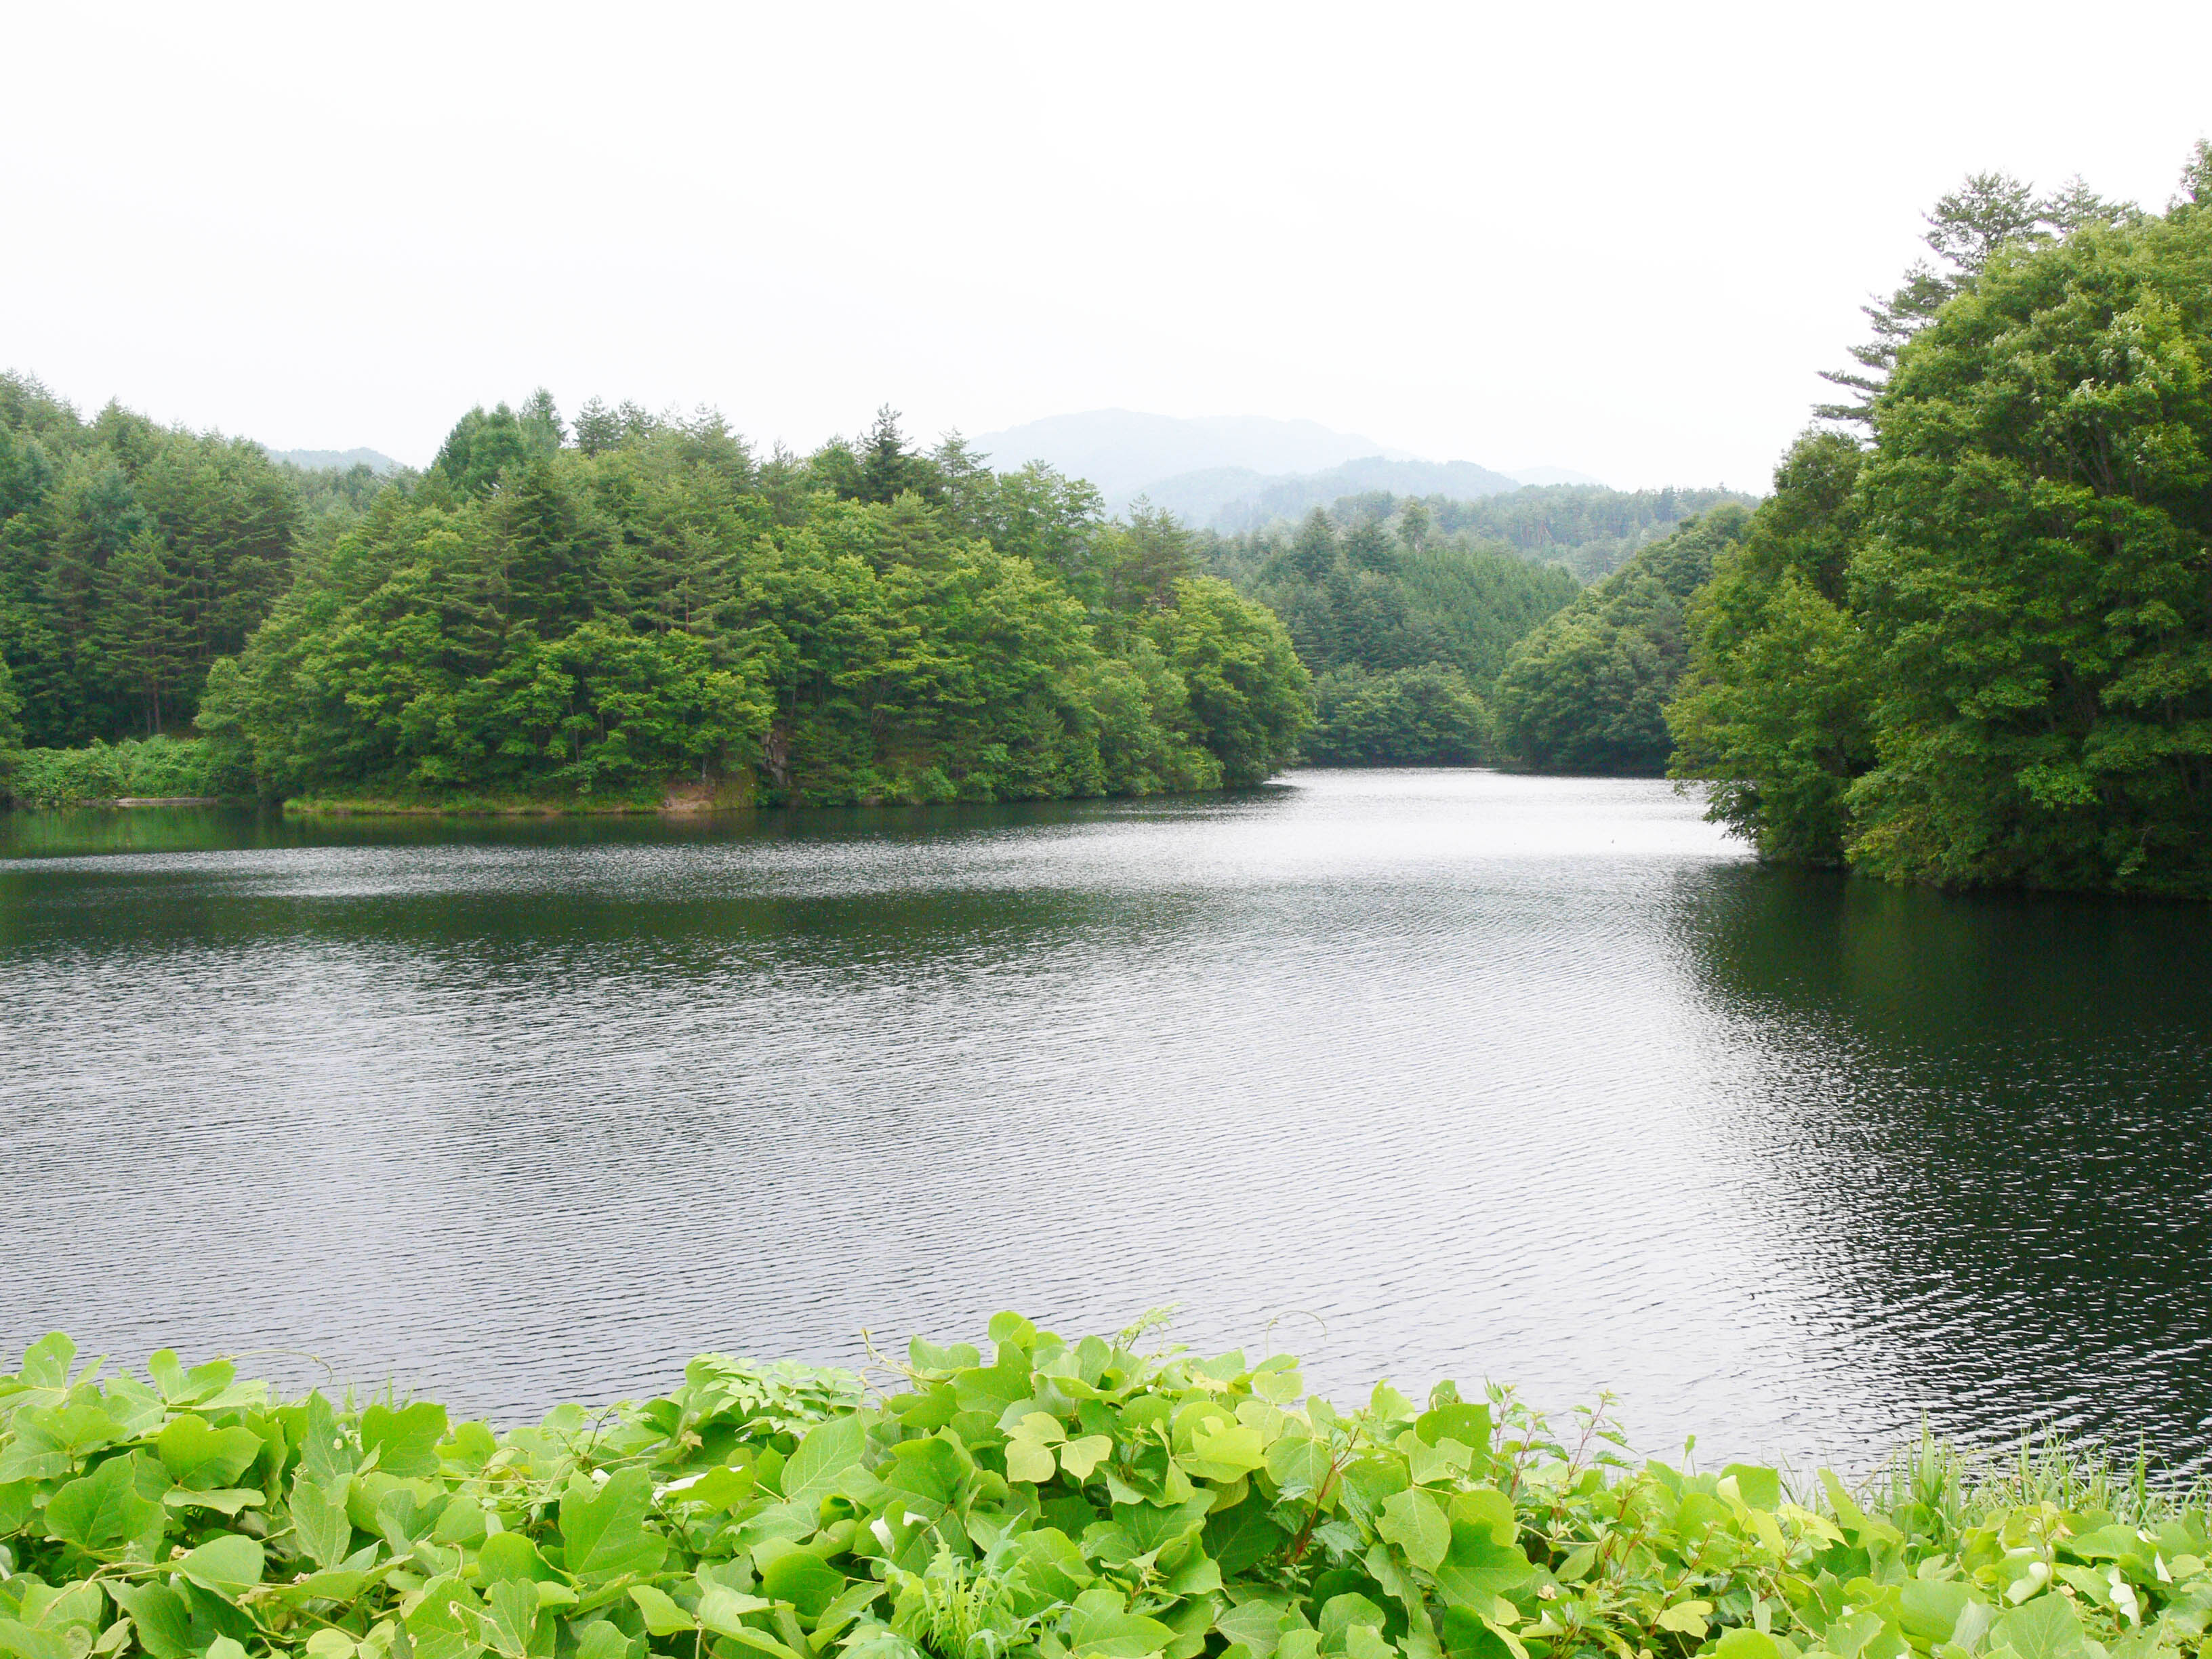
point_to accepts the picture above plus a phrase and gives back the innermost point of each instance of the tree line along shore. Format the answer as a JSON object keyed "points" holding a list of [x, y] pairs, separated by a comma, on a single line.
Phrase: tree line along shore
{"points": [[1966, 637]]}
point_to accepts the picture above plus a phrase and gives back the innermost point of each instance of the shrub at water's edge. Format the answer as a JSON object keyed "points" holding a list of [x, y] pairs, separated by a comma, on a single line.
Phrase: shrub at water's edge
{"points": [[151, 768], [1064, 1497]]}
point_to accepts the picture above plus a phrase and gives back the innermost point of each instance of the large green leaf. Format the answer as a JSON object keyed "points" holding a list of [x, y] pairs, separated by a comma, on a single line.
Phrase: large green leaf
{"points": [[1152, 1527], [47, 1362], [1757, 1485], [510, 1622], [1223, 1451], [21, 1641], [1930, 1610], [161, 1617], [1103, 1626], [197, 1456], [320, 1519], [602, 1532], [1479, 1568], [326, 1453], [1245, 1534], [103, 1512], [510, 1555], [829, 1451], [1258, 1624], [807, 1582], [1487, 1511], [1415, 1523], [405, 1440], [1299, 1464], [229, 1565], [2045, 1627], [48, 1441], [661, 1615], [1469, 1425]]}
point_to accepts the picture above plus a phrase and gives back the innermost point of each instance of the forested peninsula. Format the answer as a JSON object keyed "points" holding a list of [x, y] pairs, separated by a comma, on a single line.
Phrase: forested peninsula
{"points": [[585, 615]]}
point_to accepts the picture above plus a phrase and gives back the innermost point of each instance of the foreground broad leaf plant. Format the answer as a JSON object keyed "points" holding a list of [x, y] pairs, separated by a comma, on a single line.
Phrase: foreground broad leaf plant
{"points": [[1071, 1498]]}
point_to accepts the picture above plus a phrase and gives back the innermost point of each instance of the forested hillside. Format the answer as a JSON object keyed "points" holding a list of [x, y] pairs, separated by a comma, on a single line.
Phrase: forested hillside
{"points": [[1977, 648], [589, 614], [1588, 529], [1404, 631], [132, 557], [1587, 691], [550, 614]]}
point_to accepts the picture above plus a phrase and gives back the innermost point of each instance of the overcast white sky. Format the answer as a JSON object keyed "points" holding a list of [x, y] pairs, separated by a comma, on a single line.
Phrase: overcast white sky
{"points": [[1617, 238]]}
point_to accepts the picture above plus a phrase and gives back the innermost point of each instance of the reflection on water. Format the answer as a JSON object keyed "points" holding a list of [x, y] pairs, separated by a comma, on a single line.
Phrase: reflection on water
{"points": [[1421, 1073]]}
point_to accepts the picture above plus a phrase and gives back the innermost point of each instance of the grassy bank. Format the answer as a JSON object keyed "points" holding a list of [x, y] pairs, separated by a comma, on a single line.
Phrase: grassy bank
{"points": [[1068, 1498], [678, 795]]}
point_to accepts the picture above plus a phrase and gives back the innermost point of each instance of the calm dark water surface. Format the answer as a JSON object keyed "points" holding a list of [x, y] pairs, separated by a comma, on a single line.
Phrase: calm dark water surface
{"points": [[1416, 1073]]}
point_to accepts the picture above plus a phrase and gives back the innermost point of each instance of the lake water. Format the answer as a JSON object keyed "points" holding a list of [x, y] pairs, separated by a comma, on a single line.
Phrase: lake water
{"points": [[1415, 1073]]}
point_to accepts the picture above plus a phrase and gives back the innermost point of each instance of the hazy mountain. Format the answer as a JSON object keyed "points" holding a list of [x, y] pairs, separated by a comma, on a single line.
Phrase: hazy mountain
{"points": [[1237, 471], [1125, 453], [332, 459], [1254, 502]]}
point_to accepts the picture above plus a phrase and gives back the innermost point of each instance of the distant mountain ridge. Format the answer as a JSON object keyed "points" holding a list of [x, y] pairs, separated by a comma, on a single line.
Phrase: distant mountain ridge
{"points": [[1124, 452], [1233, 473], [332, 460], [1232, 501]]}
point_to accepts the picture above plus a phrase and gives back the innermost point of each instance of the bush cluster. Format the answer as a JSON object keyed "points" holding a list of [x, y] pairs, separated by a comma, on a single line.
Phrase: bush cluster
{"points": [[135, 767]]}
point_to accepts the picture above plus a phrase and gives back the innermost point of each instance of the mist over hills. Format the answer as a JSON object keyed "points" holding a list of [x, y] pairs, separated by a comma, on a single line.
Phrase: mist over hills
{"points": [[1124, 452], [338, 460], [1234, 472], [1233, 499]]}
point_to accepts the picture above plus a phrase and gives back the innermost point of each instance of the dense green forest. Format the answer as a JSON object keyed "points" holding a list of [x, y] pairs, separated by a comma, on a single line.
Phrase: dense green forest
{"points": [[1404, 628], [1975, 645], [1586, 690], [1589, 530], [132, 557], [1968, 638], [599, 610], [547, 613]]}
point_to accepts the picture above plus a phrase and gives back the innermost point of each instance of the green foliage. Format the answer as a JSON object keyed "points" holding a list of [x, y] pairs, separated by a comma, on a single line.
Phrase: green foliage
{"points": [[11, 725], [1586, 690], [554, 618], [1401, 632], [1063, 1498], [1249, 695], [1773, 710], [132, 557], [586, 622], [1587, 529], [1966, 229], [2037, 581], [1424, 716], [1981, 651], [135, 767], [1381, 593]]}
